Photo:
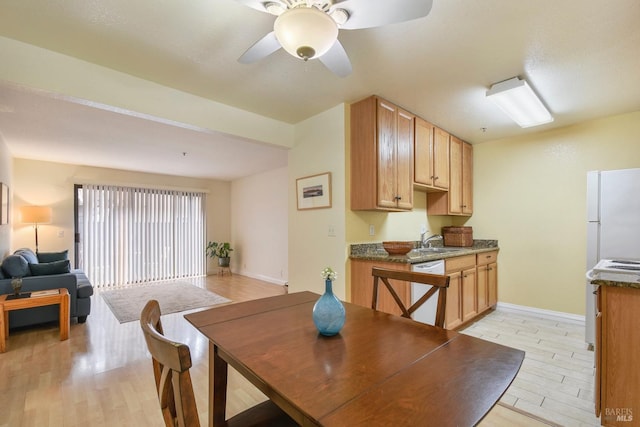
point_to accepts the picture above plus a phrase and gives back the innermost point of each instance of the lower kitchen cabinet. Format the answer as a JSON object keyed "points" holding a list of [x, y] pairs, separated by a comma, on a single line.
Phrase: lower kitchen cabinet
{"points": [[469, 294], [461, 295], [617, 384], [473, 286], [487, 280], [362, 286], [453, 314]]}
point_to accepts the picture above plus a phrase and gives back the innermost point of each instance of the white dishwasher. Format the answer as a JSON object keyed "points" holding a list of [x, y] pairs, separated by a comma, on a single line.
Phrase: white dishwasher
{"points": [[427, 311]]}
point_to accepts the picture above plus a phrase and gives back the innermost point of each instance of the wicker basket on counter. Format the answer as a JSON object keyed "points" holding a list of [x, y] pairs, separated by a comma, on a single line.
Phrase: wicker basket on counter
{"points": [[457, 236]]}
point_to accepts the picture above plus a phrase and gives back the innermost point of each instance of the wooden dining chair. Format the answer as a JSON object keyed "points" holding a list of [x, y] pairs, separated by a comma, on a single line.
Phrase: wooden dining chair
{"points": [[439, 284], [171, 363]]}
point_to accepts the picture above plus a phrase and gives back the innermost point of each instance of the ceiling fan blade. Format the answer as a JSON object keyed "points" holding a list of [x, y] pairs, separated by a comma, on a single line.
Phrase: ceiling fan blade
{"points": [[336, 60], [376, 13], [254, 4], [260, 49]]}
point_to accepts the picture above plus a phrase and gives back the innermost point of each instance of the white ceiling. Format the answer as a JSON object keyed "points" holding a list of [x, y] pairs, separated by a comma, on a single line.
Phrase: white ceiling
{"points": [[581, 56]]}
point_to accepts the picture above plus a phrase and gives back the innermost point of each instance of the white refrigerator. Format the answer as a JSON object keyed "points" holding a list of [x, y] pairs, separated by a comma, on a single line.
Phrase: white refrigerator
{"points": [[613, 225]]}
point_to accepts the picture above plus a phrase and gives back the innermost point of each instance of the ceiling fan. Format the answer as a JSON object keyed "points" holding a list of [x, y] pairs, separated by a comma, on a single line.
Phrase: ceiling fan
{"points": [[308, 29]]}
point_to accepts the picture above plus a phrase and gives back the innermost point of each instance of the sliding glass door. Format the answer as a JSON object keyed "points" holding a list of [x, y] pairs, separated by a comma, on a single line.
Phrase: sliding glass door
{"points": [[136, 235]]}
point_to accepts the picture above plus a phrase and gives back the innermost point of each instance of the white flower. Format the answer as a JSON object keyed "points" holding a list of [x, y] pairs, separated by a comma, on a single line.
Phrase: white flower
{"points": [[329, 274]]}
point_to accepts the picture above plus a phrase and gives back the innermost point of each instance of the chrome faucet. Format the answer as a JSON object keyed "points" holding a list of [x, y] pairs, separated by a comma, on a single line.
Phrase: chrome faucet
{"points": [[426, 243]]}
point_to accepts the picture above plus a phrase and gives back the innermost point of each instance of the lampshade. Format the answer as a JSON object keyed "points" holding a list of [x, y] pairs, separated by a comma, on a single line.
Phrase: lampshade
{"points": [[306, 32], [516, 98], [35, 214]]}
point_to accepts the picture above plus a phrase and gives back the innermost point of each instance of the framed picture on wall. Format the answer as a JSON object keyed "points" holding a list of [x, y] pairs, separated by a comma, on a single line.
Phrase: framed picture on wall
{"points": [[314, 192], [4, 208]]}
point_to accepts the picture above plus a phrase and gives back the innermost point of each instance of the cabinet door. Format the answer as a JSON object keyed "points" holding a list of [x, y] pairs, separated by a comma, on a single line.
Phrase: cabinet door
{"points": [[387, 155], [467, 178], [404, 158], [440, 155], [455, 176], [453, 316], [362, 286], [619, 346], [483, 295], [422, 149], [597, 388], [469, 295], [492, 284]]}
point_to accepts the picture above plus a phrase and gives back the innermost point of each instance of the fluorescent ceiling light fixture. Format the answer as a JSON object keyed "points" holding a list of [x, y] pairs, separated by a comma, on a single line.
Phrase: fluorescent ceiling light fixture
{"points": [[516, 98]]}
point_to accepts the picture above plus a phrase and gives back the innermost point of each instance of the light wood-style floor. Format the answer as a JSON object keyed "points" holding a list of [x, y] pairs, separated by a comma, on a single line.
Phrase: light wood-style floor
{"points": [[102, 375]]}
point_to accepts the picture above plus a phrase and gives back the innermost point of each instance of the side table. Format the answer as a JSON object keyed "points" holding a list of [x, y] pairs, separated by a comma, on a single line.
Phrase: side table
{"points": [[61, 298]]}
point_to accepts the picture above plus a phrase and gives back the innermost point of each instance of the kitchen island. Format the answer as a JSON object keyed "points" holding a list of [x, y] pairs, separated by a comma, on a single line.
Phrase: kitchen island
{"points": [[617, 379], [472, 271]]}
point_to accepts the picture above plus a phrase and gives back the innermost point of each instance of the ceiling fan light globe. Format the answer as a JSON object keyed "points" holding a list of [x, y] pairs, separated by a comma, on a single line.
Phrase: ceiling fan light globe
{"points": [[305, 30]]}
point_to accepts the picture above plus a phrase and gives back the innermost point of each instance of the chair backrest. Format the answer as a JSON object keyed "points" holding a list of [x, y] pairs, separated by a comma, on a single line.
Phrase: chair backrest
{"points": [[439, 284], [171, 363]]}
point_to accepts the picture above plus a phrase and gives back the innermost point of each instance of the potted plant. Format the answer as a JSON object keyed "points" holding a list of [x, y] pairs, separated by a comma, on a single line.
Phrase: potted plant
{"points": [[221, 251]]}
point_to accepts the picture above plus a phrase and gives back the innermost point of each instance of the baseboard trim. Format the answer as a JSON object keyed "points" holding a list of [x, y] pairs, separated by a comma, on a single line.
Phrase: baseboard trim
{"points": [[263, 278], [574, 318]]}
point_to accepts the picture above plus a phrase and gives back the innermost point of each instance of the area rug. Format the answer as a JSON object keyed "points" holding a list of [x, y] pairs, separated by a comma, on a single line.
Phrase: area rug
{"points": [[127, 303]]}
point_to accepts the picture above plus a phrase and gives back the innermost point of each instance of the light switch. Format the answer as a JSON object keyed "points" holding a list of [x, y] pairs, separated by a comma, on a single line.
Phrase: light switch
{"points": [[372, 230], [332, 231]]}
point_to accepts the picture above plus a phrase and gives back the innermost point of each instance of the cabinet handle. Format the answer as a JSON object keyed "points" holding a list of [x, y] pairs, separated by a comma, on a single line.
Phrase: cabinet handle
{"points": [[432, 177], [437, 177], [398, 198]]}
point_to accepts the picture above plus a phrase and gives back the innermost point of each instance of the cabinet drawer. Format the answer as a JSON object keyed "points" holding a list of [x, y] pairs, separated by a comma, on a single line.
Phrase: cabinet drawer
{"points": [[487, 257], [459, 263]]}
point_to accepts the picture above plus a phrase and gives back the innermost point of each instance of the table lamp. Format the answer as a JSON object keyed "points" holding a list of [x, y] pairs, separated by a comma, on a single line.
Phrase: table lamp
{"points": [[35, 215]]}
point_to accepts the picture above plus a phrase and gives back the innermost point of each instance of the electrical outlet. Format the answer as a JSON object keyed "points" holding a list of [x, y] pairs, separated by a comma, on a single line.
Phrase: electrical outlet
{"points": [[372, 230], [423, 229], [60, 233], [332, 231]]}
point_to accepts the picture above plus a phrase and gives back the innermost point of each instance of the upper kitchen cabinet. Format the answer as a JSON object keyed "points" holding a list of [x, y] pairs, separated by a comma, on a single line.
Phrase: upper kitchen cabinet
{"points": [[459, 199], [382, 137], [431, 157]]}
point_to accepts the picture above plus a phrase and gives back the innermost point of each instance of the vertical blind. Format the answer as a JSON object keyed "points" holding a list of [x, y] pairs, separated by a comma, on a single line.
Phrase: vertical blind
{"points": [[134, 235]]}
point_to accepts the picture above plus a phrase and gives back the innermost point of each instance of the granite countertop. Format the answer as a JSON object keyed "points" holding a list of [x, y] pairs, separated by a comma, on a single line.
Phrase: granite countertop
{"points": [[634, 285], [375, 252]]}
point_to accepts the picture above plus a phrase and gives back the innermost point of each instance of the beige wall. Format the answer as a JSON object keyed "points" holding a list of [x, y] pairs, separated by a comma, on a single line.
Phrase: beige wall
{"points": [[6, 178], [51, 184], [319, 147], [259, 208], [530, 194], [394, 225]]}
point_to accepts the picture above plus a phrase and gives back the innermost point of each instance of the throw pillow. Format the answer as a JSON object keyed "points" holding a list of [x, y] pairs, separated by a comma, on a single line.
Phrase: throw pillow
{"points": [[15, 266], [52, 256], [46, 268], [27, 254]]}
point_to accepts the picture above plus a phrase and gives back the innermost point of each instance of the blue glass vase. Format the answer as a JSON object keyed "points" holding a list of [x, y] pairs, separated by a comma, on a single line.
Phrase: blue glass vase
{"points": [[328, 312]]}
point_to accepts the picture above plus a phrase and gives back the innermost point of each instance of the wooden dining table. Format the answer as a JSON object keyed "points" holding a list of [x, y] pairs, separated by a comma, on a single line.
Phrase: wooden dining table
{"points": [[380, 370]]}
